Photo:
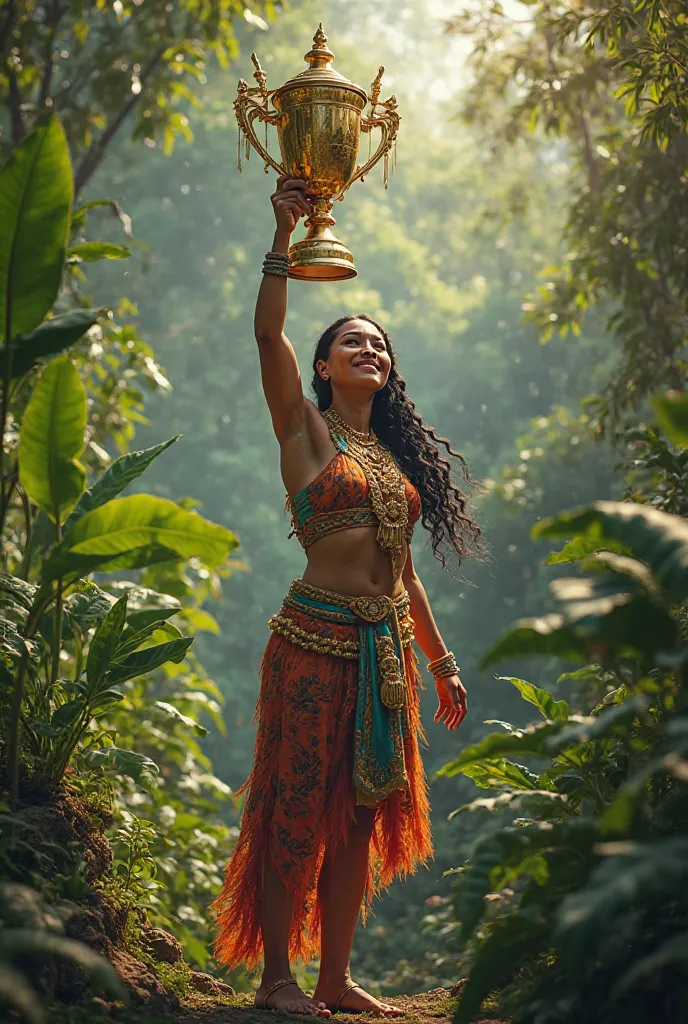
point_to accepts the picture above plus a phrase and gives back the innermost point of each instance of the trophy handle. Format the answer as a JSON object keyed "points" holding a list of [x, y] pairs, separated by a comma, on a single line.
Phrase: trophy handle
{"points": [[247, 109], [387, 122]]}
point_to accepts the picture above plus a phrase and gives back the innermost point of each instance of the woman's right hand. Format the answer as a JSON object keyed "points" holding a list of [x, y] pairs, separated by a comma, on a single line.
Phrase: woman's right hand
{"points": [[290, 202]]}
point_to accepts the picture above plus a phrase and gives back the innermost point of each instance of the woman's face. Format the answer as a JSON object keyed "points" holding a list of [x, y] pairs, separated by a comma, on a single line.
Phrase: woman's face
{"points": [[358, 357]]}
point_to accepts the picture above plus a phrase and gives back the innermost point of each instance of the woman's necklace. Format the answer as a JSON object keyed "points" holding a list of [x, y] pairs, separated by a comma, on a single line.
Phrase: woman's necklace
{"points": [[387, 489]]}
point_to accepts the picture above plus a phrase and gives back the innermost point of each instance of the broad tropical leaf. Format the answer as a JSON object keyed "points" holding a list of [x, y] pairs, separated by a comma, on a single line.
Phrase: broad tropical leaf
{"points": [[132, 532], [511, 940], [535, 801], [668, 954], [22, 592], [104, 644], [656, 538], [50, 338], [531, 741], [672, 413], [51, 440], [120, 474], [543, 701], [547, 634], [145, 606], [616, 721], [35, 199], [142, 662], [500, 774], [630, 875]]}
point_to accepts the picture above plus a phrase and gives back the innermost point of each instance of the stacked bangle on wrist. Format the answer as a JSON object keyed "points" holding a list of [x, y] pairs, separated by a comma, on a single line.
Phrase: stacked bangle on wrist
{"points": [[444, 666], [276, 263]]}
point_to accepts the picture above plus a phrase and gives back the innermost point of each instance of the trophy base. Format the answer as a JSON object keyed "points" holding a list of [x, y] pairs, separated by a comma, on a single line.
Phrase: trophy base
{"points": [[321, 259]]}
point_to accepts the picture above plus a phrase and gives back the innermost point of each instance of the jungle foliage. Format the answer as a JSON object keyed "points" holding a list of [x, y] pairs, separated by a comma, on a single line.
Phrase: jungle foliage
{"points": [[577, 224], [572, 903], [71, 649]]}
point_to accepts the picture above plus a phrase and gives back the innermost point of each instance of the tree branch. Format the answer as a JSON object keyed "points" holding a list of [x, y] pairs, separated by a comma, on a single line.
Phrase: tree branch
{"points": [[96, 151], [53, 23], [14, 104], [7, 25]]}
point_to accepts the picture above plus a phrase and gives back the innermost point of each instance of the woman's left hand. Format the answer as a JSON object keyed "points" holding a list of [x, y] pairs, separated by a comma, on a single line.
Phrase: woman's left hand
{"points": [[452, 698]]}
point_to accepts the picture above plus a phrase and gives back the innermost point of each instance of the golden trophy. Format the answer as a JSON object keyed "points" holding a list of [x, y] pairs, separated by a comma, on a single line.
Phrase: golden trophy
{"points": [[319, 118]]}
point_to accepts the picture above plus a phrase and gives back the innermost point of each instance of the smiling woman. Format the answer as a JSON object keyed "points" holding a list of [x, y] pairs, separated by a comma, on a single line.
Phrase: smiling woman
{"points": [[336, 802]]}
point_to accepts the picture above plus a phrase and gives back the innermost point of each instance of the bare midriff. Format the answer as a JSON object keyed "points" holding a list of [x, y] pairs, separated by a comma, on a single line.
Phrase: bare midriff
{"points": [[352, 562]]}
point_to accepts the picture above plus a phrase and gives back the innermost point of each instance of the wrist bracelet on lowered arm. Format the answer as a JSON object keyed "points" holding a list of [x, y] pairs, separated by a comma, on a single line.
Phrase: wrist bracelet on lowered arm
{"points": [[444, 666]]}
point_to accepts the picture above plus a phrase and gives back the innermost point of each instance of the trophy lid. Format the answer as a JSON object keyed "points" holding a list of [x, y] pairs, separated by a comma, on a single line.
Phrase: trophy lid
{"points": [[319, 57]]}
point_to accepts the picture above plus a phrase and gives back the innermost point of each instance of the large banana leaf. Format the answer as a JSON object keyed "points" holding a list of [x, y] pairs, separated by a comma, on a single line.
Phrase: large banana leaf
{"points": [[656, 538], [121, 473], [132, 532], [35, 200], [51, 440]]}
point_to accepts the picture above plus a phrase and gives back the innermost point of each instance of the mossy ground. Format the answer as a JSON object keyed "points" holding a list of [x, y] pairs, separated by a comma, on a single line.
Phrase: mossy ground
{"points": [[425, 1008]]}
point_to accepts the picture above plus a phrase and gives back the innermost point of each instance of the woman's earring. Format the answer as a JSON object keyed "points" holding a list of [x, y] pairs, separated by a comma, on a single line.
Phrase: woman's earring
{"points": [[325, 376]]}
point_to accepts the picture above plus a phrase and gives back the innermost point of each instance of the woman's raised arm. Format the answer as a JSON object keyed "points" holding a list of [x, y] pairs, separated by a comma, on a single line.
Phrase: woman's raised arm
{"points": [[278, 365]]}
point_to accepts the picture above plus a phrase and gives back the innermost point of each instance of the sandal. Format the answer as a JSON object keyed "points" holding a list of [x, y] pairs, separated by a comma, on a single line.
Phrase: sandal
{"points": [[264, 996], [337, 1005]]}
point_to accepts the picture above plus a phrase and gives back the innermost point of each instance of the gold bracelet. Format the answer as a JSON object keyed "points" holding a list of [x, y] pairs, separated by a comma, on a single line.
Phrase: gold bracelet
{"points": [[444, 666]]}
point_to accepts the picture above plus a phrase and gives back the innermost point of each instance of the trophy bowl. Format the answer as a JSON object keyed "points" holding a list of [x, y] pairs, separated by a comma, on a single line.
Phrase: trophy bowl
{"points": [[319, 119]]}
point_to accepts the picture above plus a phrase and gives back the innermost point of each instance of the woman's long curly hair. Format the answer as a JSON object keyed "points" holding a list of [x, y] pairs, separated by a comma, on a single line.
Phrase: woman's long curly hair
{"points": [[415, 445]]}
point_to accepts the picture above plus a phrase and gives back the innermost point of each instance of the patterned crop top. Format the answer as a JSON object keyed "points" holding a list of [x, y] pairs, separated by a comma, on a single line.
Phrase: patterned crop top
{"points": [[339, 499]]}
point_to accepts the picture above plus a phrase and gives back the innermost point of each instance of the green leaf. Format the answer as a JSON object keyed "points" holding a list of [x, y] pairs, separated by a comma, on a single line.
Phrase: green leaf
{"points": [[104, 644], [32, 942], [500, 774], [35, 199], [617, 721], [116, 761], [543, 701], [67, 713], [145, 606], [531, 741], [52, 438], [88, 604], [91, 252], [174, 712], [577, 549], [120, 474], [49, 338], [132, 532], [142, 662], [656, 538], [672, 414], [547, 634], [132, 639], [508, 944], [499, 857], [15, 989], [630, 876], [535, 801], [673, 952], [22, 592]]}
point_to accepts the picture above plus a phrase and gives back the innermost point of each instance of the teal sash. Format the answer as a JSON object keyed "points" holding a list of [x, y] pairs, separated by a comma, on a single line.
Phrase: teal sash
{"points": [[378, 763]]}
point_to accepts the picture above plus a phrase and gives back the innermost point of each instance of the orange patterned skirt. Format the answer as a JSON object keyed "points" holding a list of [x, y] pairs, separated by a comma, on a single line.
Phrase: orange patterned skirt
{"points": [[300, 796]]}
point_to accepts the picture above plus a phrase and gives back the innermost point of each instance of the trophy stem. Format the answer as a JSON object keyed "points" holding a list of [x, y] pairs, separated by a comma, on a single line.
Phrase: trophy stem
{"points": [[321, 256]]}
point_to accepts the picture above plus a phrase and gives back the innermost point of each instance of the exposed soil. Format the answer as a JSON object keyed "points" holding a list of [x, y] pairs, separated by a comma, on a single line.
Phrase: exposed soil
{"points": [[436, 1007]]}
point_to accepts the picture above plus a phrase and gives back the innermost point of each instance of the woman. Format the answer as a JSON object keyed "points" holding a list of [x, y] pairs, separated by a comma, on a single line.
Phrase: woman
{"points": [[337, 804]]}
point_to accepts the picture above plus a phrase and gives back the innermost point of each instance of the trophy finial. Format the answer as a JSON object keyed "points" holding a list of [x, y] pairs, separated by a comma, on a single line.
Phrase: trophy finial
{"points": [[319, 56]]}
